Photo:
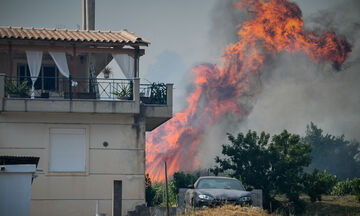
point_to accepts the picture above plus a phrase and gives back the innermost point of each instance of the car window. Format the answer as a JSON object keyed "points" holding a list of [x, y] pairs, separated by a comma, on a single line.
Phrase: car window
{"points": [[220, 183]]}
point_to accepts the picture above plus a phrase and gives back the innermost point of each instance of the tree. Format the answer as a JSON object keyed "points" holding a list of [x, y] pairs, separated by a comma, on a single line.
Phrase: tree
{"points": [[150, 192], [288, 157], [274, 167], [182, 180], [317, 183], [334, 154]]}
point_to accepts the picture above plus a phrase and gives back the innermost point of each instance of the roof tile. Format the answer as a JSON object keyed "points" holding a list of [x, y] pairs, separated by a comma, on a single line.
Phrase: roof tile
{"points": [[44, 34]]}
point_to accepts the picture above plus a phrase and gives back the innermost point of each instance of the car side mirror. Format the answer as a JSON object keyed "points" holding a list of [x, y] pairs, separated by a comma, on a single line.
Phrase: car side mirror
{"points": [[191, 186]]}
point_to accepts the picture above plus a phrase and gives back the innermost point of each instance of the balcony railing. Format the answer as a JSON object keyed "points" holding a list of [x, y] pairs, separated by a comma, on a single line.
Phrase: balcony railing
{"points": [[69, 88], [155, 93], [62, 88]]}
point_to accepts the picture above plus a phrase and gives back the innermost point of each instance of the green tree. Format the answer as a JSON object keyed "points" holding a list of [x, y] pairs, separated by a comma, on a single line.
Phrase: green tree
{"points": [[333, 154], [318, 183], [182, 180], [150, 192], [288, 157], [274, 167]]}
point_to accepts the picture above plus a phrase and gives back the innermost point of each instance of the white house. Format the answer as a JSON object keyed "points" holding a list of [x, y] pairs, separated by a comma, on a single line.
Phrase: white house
{"points": [[88, 132]]}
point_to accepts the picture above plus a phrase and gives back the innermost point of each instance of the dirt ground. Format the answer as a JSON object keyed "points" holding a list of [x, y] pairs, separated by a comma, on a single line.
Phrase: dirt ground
{"points": [[330, 205], [228, 210]]}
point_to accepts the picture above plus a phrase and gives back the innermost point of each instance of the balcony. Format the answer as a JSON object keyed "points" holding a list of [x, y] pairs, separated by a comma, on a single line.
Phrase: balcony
{"points": [[86, 95]]}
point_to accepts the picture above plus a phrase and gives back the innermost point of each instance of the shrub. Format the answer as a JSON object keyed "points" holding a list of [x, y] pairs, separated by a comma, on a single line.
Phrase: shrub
{"points": [[342, 188], [355, 184], [20, 89], [358, 198]]}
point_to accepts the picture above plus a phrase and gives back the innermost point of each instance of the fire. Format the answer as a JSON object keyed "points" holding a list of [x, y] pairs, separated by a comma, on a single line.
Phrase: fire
{"points": [[275, 26]]}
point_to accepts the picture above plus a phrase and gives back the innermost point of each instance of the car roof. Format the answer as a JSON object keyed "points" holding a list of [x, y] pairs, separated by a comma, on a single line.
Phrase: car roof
{"points": [[218, 177]]}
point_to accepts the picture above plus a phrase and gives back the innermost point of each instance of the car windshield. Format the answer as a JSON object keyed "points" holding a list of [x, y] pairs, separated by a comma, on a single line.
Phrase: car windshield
{"points": [[220, 183]]}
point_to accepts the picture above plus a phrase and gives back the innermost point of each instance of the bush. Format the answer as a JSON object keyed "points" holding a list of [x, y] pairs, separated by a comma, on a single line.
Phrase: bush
{"points": [[318, 183], [20, 89], [344, 187], [355, 184]]}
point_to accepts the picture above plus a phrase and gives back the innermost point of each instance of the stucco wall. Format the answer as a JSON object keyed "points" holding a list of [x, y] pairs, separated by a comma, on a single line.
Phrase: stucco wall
{"points": [[27, 134]]}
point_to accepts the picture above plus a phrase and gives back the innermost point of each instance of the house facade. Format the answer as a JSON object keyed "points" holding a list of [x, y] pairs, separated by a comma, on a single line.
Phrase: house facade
{"points": [[89, 132]]}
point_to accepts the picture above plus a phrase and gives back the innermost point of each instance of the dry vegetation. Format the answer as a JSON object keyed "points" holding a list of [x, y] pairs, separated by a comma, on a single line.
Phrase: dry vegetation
{"points": [[334, 205], [228, 210], [330, 205]]}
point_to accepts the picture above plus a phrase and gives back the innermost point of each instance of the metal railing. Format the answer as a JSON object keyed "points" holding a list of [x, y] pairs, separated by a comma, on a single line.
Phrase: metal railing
{"points": [[83, 88], [69, 88], [155, 93]]}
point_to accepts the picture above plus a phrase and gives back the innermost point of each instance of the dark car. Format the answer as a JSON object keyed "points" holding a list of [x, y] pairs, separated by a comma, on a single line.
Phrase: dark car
{"points": [[213, 191]]}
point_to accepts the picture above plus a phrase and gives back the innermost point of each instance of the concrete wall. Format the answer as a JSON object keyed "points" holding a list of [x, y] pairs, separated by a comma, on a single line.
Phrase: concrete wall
{"points": [[27, 134]]}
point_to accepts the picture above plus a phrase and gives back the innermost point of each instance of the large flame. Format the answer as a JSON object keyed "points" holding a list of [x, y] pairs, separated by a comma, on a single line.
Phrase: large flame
{"points": [[275, 26]]}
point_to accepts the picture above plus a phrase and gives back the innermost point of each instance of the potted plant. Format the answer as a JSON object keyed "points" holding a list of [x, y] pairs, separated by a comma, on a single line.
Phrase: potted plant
{"points": [[124, 93], [158, 93], [20, 90], [107, 71]]}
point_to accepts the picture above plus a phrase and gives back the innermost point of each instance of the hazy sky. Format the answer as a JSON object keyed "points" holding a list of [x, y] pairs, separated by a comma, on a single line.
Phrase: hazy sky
{"points": [[180, 27]]}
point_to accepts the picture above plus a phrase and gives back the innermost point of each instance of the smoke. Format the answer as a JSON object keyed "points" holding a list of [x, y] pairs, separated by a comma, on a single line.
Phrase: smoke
{"points": [[295, 90], [224, 21], [299, 91], [225, 95]]}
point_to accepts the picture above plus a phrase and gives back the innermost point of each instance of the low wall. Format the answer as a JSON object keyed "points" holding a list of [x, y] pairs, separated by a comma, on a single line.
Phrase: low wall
{"points": [[152, 211], [256, 196]]}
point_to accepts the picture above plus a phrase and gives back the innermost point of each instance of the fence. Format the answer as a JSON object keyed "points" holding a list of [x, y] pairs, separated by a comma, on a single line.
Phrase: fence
{"points": [[69, 88], [155, 93]]}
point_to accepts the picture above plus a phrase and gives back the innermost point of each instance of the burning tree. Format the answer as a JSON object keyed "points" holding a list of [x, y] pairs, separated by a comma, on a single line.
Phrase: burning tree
{"points": [[275, 26]]}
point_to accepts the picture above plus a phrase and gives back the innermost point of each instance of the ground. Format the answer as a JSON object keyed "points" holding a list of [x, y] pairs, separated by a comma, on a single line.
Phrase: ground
{"points": [[228, 210], [333, 205], [330, 205]]}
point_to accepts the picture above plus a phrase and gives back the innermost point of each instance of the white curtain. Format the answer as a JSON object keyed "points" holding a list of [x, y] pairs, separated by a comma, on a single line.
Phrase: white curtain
{"points": [[34, 61], [61, 62], [126, 63]]}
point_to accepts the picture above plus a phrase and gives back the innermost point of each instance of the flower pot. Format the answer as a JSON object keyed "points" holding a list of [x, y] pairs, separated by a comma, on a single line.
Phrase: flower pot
{"points": [[123, 98]]}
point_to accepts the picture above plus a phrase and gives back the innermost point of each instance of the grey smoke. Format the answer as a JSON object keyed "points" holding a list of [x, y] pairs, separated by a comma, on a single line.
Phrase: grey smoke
{"points": [[296, 90]]}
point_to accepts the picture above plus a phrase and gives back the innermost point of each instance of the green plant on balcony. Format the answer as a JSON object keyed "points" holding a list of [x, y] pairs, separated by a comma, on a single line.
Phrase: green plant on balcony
{"points": [[124, 92], [107, 71], [158, 93], [18, 89]]}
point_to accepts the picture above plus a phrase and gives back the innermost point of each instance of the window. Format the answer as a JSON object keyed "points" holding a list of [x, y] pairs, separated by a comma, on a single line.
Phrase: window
{"points": [[67, 150], [24, 73], [47, 79]]}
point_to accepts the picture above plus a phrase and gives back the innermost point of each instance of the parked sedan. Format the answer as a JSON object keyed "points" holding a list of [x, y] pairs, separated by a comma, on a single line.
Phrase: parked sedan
{"points": [[213, 190]]}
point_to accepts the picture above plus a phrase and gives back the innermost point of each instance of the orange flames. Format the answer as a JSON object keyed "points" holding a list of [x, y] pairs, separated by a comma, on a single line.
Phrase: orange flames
{"points": [[275, 26]]}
